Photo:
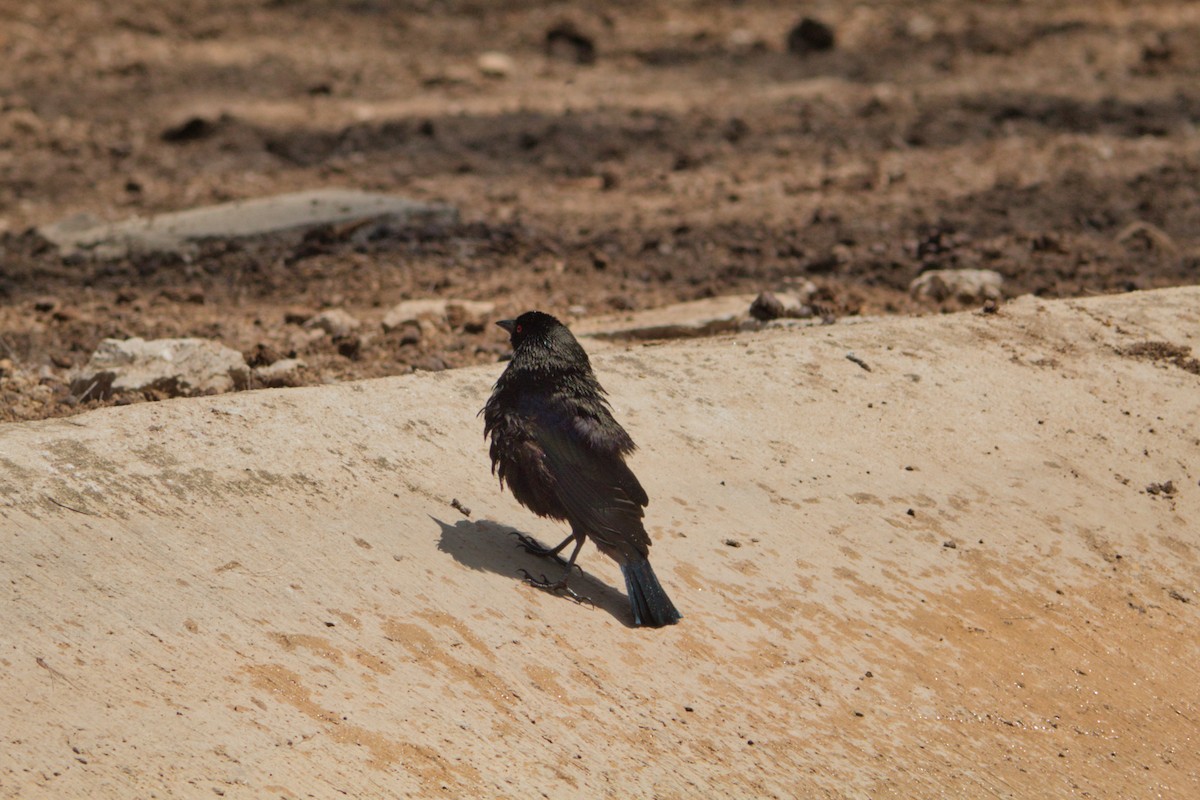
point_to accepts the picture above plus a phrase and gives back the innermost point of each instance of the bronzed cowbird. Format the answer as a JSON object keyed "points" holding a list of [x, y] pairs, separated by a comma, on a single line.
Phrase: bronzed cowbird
{"points": [[554, 442]]}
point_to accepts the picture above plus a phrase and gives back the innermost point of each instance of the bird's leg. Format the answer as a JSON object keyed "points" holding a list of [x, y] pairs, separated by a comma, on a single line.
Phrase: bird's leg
{"points": [[561, 586], [531, 545]]}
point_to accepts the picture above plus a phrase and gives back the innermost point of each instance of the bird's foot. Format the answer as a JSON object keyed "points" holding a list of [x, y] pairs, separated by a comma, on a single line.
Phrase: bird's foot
{"points": [[555, 587], [534, 547]]}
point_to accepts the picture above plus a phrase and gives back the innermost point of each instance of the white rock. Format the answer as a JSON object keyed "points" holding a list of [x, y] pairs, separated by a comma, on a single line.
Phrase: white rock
{"points": [[285, 372], [177, 367], [743, 39], [335, 322], [455, 313], [965, 285], [802, 289], [496, 65], [412, 312], [470, 314]]}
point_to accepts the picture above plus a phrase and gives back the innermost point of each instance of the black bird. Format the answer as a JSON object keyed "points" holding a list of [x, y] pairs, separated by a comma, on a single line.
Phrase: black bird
{"points": [[555, 443]]}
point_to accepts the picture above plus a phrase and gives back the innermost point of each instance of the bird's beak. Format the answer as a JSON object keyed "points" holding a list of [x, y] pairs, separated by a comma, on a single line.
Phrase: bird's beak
{"points": [[507, 324]]}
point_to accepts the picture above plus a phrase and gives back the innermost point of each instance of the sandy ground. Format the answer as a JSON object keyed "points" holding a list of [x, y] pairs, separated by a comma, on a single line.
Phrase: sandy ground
{"points": [[971, 570]]}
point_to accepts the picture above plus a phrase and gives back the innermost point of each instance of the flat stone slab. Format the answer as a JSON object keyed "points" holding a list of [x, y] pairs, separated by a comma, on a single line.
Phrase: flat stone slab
{"points": [[679, 321], [241, 219]]}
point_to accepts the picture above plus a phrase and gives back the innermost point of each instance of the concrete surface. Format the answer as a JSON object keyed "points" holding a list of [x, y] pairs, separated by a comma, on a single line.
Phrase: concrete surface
{"points": [[180, 231], [942, 577]]}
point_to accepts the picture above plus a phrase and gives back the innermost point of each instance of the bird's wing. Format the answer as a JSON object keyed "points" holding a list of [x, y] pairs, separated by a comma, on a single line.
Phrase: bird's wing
{"points": [[599, 492], [520, 461]]}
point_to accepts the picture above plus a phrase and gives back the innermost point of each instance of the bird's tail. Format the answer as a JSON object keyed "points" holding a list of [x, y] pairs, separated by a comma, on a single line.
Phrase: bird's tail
{"points": [[651, 606]]}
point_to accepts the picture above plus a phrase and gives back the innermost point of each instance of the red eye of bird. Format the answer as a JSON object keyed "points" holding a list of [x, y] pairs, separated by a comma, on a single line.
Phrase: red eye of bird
{"points": [[519, 327]]}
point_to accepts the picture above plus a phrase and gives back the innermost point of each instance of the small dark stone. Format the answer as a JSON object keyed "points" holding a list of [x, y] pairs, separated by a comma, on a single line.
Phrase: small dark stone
{"points": [[620, 302], [262, 355], [348, 346], [810, 36], [190, 130], [766, 307], [408, 334], [565, 41], [430, 364], [1157, 51], [735, 130], [683, 161], [96, 387]]}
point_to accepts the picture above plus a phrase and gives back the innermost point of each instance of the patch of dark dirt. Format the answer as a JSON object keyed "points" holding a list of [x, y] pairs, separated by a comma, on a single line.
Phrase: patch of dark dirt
{"points": [[1173, 354]]}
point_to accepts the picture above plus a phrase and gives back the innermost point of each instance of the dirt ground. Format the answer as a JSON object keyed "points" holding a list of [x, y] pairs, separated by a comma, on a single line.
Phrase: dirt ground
{"points": [[622, 156]]}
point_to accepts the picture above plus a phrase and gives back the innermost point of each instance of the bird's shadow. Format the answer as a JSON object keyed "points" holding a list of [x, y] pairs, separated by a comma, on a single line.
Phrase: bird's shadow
{"points": [[488, 545]]}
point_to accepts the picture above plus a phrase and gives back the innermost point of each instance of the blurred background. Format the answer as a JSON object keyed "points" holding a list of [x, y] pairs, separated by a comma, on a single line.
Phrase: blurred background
{"points": [[600, 157]]}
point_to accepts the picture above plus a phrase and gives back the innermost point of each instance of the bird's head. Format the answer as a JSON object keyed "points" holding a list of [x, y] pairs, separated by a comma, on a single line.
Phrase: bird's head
{"points": [[535, 327], [545, 350]]}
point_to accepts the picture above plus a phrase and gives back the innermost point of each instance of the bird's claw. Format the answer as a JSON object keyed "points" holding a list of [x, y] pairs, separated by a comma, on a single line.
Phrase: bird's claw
{"points": [[531, 545], [534, 547], [558, 587]]}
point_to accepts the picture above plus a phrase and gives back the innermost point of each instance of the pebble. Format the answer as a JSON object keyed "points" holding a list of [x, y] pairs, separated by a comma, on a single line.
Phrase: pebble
{"points": [[495, 64], [567, 42], [809, 36], [334, 321]]}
